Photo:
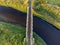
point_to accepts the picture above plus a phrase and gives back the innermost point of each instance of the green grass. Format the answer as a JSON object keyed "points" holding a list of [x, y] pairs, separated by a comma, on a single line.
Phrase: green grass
{"points": [[14, 35], [54, 1]]}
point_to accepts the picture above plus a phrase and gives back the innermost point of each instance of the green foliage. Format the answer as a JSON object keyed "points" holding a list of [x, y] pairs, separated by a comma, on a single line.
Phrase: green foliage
{"points": [[54, 1], [14, 35], [48, 12]]}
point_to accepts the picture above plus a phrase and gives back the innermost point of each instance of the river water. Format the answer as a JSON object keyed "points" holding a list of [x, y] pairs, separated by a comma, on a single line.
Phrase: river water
{"points": [[46, 31]]}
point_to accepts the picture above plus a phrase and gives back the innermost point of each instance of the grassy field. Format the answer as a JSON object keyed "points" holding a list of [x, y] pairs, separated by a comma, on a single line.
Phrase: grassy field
{"points": [[14, 35], [54, 1]]}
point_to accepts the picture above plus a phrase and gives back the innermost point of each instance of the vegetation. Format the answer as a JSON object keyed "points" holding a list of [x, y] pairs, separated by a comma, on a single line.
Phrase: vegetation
{"points": [[49, 12], [14, 35], [54, 1]]}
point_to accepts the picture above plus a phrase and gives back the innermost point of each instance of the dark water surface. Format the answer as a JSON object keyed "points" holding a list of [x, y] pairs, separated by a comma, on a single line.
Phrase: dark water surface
{"points": [[47, 32]]}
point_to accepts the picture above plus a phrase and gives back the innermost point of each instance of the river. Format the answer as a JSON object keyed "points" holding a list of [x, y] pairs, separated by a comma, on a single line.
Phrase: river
{"points": [[46, 31]]}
